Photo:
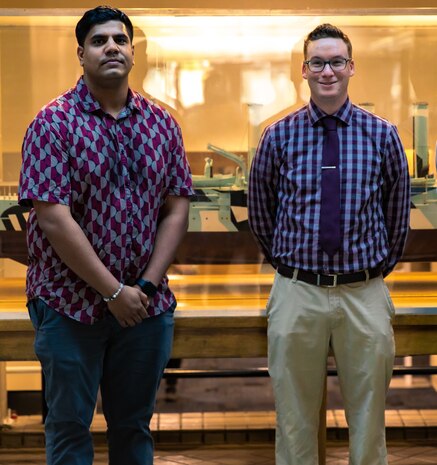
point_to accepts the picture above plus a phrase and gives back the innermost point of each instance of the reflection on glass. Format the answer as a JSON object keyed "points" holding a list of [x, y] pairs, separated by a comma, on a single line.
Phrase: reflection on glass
{"points": [[420, 140], [225, 78]]}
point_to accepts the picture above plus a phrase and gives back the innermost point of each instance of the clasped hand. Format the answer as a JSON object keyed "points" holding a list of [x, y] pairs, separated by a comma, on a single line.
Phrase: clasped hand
{"points": [[130, 307]]}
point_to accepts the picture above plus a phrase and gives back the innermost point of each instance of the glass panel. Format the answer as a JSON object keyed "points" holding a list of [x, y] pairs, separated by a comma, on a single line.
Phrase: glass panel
{"points": [[225, 78]]}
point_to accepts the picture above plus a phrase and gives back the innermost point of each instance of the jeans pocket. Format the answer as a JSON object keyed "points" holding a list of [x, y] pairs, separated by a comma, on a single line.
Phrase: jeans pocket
{"points": [[42, 316], [36, 312]]}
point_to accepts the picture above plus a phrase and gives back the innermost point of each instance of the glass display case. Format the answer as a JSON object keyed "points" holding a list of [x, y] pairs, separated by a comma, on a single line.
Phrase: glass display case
{"points": [[225, 75]]}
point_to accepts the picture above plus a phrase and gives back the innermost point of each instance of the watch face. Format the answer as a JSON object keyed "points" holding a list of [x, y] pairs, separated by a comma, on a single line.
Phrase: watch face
{"points": [[147, 287]]}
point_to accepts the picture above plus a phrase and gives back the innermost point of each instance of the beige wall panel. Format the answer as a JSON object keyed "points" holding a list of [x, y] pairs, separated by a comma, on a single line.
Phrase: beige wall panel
{"points": [[230, 4]]}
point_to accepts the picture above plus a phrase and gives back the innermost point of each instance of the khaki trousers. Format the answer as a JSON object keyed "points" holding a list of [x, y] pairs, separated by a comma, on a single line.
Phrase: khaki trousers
{"points": [[304, 321]]}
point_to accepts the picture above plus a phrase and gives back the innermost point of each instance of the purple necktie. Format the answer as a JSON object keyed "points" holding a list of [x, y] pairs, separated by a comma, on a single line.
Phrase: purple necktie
{"points": [[329, 232]]}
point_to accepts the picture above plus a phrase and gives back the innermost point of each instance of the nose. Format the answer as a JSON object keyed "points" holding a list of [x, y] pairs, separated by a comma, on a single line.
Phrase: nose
{"points": [[111, 46], [327, 70]]}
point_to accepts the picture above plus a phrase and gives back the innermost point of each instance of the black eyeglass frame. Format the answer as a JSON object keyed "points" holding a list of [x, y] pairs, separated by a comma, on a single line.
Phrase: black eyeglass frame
{"points": [[329, 62]]}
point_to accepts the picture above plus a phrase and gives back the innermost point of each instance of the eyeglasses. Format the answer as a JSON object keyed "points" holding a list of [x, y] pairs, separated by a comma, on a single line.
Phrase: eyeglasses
{"points": [[316, 65]]}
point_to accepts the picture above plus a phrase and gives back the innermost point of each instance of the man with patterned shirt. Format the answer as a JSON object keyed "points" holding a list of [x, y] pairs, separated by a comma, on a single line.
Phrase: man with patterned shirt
{"points": [[107, 176], [330, 297]]}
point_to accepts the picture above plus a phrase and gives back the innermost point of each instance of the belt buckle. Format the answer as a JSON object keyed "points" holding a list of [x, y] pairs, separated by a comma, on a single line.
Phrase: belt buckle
{"points": [[334, 280]]}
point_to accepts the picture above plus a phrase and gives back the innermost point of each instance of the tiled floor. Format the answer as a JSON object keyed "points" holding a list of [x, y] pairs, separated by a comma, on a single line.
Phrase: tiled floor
{"points": [[402, 454], [232, 438], [228, 427], [236, 420]]}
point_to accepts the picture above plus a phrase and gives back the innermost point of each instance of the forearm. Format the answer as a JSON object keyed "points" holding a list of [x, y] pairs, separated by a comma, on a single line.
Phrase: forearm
{"points": [[397, 201], [263, 183], [261, 212], [398, 230], [74, 249], [172, 228]]}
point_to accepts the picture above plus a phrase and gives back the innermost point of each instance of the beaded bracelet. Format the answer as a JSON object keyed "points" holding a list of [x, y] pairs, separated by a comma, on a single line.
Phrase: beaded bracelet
{"points": [[115, 295]]}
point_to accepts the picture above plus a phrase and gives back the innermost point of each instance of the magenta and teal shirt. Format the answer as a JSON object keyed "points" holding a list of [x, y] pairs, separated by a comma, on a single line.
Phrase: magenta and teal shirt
{"points": [[114, 174]]}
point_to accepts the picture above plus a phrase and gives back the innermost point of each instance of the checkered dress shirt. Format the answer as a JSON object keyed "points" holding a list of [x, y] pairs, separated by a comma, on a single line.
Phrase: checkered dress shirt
{"points": [[115, 174], [284, 192]]}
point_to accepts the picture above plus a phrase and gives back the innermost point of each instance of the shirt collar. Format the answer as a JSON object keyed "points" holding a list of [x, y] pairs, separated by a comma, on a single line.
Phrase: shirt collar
{"points": [[133, 101], [89, 104], [344, 113]]}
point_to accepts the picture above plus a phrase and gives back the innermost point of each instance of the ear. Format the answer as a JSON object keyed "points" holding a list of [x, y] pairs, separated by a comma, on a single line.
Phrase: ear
{"points": [[80, 52], [133, 54], [351, 68], [304, 71]]}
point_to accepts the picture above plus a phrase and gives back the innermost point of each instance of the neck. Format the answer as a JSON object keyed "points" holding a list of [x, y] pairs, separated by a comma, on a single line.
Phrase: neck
{"points": [[328, 106], [112, 98]]}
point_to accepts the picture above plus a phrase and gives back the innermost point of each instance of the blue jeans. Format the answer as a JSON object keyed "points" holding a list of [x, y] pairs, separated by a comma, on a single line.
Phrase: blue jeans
{"points": [[127, 364]]}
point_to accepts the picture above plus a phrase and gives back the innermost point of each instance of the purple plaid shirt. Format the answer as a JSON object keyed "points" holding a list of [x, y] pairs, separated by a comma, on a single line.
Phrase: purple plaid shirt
{"points": [[284, 192], [115, 174]]}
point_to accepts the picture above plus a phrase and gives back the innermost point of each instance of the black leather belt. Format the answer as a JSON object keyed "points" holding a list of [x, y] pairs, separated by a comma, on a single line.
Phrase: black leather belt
{"points": [[328, 280]]}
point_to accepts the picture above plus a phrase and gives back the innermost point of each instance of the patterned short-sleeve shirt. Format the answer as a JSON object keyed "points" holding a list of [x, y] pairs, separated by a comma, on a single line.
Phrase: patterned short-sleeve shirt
{"points": [[115, 174]]}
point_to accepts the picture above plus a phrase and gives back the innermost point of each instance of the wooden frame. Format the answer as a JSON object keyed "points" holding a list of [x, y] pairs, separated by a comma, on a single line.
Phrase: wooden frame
{"points": [[217, 333]]}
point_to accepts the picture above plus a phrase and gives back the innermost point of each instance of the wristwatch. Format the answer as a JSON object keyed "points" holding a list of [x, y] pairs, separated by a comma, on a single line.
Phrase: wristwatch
{"points": [[147, 287]]}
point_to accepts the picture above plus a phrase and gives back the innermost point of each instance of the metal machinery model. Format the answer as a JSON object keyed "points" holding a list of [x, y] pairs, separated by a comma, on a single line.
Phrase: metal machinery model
{"points": [[421, 242], [13, 219], [218, 229]]}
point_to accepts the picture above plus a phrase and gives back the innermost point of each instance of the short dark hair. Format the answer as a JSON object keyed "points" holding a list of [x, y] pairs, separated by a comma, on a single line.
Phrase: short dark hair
{"points": [[325, 31], [99, 15]]}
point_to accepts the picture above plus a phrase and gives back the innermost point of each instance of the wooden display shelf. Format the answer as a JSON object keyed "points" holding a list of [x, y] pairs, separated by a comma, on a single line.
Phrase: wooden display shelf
{"points": [[231, 324]]}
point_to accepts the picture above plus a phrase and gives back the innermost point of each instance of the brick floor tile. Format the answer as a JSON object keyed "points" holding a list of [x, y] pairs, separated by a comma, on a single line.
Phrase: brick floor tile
{"points": [[401, 454]]}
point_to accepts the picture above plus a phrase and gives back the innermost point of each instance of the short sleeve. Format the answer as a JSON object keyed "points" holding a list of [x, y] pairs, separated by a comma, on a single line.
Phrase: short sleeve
{"points": [[44, 171], [180, 174]]}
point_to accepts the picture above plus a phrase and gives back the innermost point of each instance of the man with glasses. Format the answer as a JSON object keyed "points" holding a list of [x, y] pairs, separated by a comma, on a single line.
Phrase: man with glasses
{"points": [[329, 207]]}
